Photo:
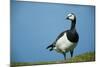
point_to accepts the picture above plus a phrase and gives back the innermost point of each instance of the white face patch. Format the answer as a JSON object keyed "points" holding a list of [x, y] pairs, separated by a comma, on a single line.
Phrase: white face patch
{"points": [[71, 16]]}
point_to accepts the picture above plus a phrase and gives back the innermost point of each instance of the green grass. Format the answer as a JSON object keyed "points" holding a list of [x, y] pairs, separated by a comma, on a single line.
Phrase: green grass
{"points": [[86, 57], [89, 56]]}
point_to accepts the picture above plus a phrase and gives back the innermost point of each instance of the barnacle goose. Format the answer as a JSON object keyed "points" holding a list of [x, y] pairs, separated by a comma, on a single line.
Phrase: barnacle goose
{"points": [[67, 40]]}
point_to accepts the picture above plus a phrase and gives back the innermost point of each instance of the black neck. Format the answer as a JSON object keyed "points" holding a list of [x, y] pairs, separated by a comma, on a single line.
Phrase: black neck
{"points": [[73, 23]]}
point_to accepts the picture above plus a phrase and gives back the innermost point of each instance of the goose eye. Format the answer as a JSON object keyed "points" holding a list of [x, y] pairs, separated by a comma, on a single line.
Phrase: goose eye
{"points": [[70, 15]]}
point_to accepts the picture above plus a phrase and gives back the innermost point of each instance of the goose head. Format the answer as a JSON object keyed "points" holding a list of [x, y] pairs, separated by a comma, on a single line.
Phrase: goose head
{"points": [[71, 17]]}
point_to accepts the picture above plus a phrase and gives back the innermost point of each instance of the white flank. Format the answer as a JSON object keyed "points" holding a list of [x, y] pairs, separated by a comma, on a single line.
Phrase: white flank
{"points": [[64, 44]]}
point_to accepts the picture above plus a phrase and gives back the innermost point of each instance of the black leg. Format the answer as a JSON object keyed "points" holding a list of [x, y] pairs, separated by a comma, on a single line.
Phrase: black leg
{"points": [[64, 56], [71, 52]]}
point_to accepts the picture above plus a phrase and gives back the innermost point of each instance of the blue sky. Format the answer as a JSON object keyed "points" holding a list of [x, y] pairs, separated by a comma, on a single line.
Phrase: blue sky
{"points": [[34, 26]]}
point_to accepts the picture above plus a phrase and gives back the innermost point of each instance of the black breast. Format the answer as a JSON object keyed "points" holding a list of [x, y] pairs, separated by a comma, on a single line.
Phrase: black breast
{"points": [[72, 36]]}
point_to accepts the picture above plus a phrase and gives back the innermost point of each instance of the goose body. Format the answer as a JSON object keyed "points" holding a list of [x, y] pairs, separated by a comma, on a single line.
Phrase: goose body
{"points": [[67, 40], [63, 44]]}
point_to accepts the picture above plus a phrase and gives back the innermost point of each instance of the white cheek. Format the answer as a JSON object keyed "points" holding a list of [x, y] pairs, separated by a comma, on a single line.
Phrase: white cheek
{"points": [[69, 14], [71, 18]]}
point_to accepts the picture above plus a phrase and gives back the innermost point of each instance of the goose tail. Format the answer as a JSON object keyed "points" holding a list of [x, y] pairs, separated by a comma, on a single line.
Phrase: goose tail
{"points": [[50, 47]]}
